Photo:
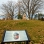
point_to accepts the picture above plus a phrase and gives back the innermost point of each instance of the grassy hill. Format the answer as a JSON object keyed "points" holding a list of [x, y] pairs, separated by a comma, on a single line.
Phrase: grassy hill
{"points": [[34, 28]]}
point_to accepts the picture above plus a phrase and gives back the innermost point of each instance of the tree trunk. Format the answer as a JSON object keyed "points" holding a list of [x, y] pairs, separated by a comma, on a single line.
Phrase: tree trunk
{"points": [[28, 10], [32, 17]]}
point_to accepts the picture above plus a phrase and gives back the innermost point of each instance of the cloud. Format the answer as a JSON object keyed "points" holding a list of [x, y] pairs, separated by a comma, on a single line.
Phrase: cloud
{"points": [[4, 1]]}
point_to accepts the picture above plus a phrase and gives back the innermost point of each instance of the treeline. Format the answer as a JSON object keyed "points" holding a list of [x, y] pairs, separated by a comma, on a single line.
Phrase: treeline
{"points": [[29, 7], [39, 16]]}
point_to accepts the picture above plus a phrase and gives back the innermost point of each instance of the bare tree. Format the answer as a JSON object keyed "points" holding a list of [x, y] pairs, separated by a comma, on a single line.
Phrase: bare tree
{"points": [[27, 6], [20, 8], [8, 9], [35, 6], [32, 6], [23, 6]]}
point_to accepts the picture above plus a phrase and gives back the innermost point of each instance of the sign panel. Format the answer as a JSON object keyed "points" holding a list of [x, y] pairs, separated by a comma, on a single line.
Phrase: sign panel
{"points": [[11, 36]]}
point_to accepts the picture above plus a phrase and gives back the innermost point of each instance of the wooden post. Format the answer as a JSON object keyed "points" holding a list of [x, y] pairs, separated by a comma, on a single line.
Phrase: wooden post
{"points": [[27, 42], [2, 43]]}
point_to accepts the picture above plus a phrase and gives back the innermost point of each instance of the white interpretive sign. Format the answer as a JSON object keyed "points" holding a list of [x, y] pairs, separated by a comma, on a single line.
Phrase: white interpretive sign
{"points": [[11, 36]]}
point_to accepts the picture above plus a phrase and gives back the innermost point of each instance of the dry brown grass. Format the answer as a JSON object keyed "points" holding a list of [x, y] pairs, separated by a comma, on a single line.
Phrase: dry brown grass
{"points": [[35, 28]]}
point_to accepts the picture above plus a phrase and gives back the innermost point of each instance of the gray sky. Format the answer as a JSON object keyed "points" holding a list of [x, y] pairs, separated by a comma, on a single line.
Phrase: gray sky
{"points": [[4, 1]]}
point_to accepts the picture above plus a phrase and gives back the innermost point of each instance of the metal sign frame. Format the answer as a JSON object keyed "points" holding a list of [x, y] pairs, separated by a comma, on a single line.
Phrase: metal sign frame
{"points": [[16, 41]]}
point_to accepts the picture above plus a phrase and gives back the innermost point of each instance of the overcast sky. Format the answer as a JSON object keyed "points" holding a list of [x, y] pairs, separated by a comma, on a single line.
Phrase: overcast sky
{"points": [[4, 1]]}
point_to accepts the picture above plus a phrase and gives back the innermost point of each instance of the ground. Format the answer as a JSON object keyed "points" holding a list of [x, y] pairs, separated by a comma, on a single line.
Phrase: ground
{"points": [[34, 28]]}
